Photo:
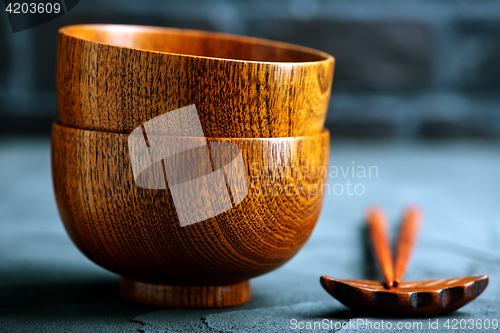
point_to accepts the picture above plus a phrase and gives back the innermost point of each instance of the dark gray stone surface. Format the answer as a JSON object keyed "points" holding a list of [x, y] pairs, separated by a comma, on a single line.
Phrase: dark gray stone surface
{"points": [[47, 285]]}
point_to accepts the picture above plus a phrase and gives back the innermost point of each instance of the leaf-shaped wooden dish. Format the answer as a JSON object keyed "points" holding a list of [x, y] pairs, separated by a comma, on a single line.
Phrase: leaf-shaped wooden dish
{"points": [[420, 298]]}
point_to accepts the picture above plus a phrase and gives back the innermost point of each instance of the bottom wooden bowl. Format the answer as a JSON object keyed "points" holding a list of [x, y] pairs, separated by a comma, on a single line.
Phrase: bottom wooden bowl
{"points": [[188, 248]]}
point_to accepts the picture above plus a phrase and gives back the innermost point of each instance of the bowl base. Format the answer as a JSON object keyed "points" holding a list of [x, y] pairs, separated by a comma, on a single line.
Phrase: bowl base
{"points": [[179, 296]]}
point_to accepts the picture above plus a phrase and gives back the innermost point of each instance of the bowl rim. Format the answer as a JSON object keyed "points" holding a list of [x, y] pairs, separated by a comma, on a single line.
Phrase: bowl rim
{"points": [[70, 32], [323, 131]]}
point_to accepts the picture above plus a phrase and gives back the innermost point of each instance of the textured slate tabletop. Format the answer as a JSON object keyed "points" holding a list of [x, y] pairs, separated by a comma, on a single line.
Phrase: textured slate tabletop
{"points": [[47, 285]]}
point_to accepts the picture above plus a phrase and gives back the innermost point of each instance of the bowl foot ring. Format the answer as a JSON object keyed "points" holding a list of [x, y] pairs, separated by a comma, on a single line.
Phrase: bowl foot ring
{"points": [[187, 296]]}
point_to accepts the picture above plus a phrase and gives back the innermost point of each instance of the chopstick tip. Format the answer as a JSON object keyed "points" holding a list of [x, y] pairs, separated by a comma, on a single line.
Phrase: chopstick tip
{"points": [[374, 213], [388, 285]]}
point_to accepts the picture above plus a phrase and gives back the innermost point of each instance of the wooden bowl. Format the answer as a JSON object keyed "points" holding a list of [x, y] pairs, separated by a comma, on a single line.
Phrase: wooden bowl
{"points": [[114, 78], [137, 233]]}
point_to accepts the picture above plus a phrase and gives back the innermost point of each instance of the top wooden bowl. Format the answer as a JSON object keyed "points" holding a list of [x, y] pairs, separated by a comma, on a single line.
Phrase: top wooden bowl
{"points": [[116, 77]]}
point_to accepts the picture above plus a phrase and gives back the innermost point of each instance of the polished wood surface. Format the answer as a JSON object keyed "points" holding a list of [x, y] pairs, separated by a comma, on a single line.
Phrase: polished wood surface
{"points": [[420, 298], [114, 78], [408, 233], [378, 231], [186, 296], [135, 232]]}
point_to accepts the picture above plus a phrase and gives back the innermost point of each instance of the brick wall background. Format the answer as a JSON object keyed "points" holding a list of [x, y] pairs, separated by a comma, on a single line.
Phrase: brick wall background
{"points": [[413, 68]]}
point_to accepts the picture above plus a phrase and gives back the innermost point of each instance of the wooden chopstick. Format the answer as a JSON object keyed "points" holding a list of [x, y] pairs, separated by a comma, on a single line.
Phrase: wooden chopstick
{"points": [[378, 232], [406, 241]]}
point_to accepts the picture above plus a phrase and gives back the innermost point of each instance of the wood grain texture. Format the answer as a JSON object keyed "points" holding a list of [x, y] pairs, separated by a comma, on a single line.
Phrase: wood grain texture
{"points": [[114, 78], [135, 232], [182, 296], [378, 232], [407, 238], [420, 298]]}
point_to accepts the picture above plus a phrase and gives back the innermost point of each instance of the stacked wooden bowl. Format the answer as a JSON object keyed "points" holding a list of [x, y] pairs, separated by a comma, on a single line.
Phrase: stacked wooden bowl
{"points": [[144, 112]]}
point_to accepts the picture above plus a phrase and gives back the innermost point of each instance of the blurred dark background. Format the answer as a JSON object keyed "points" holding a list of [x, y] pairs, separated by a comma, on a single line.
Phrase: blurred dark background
{"points": [[414, 68]]}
